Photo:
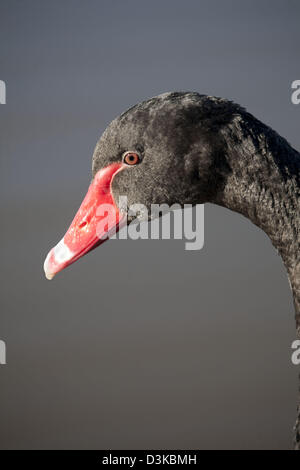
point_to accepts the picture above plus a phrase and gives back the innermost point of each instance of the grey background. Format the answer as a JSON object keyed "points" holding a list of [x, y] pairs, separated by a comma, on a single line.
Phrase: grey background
{"points": [[141, 344]]}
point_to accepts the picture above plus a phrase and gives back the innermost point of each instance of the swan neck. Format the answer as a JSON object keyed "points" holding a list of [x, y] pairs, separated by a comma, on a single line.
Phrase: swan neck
{"points": [[264, 185]]}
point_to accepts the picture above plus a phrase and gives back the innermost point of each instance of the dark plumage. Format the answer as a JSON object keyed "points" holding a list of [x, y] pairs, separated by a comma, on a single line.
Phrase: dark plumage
{"points": [[199, 149], [196, 149]]}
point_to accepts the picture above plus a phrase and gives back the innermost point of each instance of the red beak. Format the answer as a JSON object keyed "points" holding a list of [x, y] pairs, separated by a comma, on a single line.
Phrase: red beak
{"points": [[97, 218]]}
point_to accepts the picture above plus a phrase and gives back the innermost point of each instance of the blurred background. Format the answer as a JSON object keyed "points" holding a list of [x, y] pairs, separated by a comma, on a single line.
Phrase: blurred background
{"points": [[141, 344]]}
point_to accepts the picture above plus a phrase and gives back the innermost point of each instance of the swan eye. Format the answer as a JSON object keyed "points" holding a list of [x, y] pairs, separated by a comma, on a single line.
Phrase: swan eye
{"points": [[131, 158]]}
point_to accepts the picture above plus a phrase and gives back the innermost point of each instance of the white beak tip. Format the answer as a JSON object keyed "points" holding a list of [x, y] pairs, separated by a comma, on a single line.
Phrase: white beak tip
{"points": [[49, 276]]}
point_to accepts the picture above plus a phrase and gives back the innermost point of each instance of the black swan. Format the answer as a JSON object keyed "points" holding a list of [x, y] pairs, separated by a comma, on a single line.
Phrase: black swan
{"points": [[189, 148]]}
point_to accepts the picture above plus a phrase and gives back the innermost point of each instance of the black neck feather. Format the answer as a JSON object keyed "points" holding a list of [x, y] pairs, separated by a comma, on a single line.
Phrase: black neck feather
{"points": [[263, 184]]}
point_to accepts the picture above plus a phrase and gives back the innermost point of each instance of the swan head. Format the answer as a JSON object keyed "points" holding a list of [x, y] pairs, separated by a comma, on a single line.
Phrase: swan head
{"points": [[167, 150]]}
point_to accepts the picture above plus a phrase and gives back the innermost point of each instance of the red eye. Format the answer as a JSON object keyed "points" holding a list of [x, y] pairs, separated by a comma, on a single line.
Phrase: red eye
{"points": [[131, 158]]}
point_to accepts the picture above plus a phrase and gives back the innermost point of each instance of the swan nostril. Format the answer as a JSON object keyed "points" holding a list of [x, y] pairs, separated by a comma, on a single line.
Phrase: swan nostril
{"points": [[83, 224]]}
